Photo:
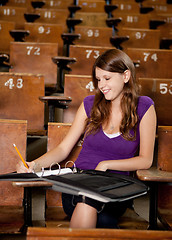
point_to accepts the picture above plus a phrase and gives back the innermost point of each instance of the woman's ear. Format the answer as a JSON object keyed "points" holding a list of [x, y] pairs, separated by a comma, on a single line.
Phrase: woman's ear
{"points": [[127, 75]]}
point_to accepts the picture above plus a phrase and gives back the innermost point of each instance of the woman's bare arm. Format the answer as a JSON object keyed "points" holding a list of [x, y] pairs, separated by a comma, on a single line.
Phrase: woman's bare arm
{"points": [[60, 152]]}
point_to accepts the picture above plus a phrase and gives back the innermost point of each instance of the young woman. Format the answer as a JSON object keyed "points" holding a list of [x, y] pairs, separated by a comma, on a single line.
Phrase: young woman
{"points": [[116, 122]]}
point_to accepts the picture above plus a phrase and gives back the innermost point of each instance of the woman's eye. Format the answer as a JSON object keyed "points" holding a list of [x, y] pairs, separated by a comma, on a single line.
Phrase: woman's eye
{"points": [[108, 78]]}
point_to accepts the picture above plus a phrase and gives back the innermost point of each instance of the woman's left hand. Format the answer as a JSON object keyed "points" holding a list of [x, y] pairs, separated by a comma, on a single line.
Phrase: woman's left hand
{"points": [[102, 166]]}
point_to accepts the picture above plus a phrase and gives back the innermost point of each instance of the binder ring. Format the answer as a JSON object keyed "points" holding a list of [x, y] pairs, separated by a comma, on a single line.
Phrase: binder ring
{"points": [[74, 168], [42, 170], [58, 166]]}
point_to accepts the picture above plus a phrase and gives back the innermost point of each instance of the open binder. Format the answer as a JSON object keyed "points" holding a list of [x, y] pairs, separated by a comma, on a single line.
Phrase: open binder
{"points": [[98, 185]]}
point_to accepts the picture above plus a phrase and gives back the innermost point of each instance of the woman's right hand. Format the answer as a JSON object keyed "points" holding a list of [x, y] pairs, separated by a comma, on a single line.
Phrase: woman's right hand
{"points": [[20, 168]]}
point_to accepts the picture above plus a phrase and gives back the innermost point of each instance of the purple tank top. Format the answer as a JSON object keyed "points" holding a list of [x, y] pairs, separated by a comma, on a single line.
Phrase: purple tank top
{"points": [[99, 147]]}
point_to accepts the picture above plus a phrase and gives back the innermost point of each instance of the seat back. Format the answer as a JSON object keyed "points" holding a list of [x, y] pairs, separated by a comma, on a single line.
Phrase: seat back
{"points": [[35, 58], [140, 38], [57, 16], [165, 164], [153, 63], [93, 36], [85, 58], [77, 87], [12, 132], [165, 148], [13, 14], [5, 37], [159, 89], [56, 133], [45, 33], [19, 98]]}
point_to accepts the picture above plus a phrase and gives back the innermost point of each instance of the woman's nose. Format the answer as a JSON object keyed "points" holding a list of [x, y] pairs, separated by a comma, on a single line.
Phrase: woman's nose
{"points": [[101, 83]]}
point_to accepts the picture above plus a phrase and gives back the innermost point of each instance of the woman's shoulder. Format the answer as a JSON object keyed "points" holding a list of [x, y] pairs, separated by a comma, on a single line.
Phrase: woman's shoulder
{"points": [[88, 103], [144, 103]]}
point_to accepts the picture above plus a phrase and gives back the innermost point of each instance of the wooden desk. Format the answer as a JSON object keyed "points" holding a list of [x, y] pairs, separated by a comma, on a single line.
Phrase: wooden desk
{"points": [[34, 202], [154, 176]]}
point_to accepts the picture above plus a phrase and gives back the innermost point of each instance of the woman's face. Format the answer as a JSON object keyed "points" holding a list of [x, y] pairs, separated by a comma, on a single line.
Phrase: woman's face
{"points": [[111, 84]]}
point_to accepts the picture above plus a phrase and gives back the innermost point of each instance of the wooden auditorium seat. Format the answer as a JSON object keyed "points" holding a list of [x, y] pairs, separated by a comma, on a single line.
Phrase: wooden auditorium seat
{"points": [[5, 38], [11, 198], [19, 99], [158, 7], [45, 32], [131, 7], [137, 38], [159, 179], [95, 234], [57, 16], [122, 20], [77, 87], [13, 14], [159, 89], [165, 164], [85, 57], [93, 36], [56, 133], [35, 58], [153, 63]]}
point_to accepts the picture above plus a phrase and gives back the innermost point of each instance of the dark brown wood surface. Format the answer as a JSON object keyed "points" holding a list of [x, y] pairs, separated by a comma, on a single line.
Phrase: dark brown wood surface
{"points": [[5, 37], [56, 133], [35, 58], [153, 63], [12, 132], [45, 32], [160, 90], [19, 98], [115, 234]]}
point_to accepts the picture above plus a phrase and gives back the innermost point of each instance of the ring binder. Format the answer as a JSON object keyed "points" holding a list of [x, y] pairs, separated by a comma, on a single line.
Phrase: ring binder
{"points": [[53, 165], [74, 166]]}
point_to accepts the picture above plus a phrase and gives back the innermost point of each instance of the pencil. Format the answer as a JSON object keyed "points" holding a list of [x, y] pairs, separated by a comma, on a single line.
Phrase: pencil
{"points": [[20, 156]]}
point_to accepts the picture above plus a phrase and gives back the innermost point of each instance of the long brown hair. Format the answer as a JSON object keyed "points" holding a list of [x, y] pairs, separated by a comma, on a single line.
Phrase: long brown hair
{"points": [[115, 60]]}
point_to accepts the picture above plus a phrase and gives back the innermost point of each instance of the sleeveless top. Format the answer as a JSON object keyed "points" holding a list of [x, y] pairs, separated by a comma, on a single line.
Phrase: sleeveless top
{"points": [[99, 147]]}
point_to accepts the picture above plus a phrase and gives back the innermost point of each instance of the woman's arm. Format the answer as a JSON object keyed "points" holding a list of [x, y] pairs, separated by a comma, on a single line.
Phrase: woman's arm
{"points": [[147, 141], [60, 152]]}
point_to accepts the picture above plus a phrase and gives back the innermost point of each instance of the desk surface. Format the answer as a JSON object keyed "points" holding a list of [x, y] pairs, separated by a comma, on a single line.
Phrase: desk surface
{"points": [[32, 184], [155, 175]]}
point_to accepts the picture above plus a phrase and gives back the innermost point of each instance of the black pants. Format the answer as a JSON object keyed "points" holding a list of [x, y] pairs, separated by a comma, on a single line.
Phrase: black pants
{"points": [[107, 214]]}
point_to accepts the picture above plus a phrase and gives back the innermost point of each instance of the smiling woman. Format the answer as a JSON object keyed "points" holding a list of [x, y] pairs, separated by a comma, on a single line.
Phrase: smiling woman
{"points": [[116, 121]]}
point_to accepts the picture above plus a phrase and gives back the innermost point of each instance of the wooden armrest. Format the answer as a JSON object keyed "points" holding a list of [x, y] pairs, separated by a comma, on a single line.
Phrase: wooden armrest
{"points": [[37, 4], [117, 40], [71, 22], [145, 10], [154, 23], [32, 184], [4, 61], [19, 35], [112, 22], [73, 9], [68, 38], [155, 175], [165, 43], [3, 2], [62, 62], [31, 17], [109, 9], [56, 101]]}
